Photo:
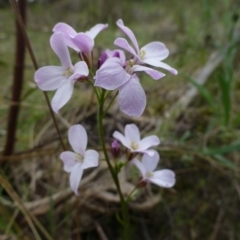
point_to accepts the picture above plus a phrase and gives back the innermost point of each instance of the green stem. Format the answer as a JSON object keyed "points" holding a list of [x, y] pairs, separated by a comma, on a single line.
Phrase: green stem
{"points": [[107, 95], [130, 195], [110, 104], [124, 209], [95, 90]]}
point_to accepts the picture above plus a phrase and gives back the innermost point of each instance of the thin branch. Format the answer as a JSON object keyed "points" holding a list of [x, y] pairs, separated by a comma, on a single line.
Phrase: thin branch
{"points": [[14, 109], [28, 45], [30, 218], [5, 184]]}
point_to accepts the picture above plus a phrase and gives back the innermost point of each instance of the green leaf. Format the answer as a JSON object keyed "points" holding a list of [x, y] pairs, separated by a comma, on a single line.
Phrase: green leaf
{"points": [[204, 92], [235, 146], [224, 161]]}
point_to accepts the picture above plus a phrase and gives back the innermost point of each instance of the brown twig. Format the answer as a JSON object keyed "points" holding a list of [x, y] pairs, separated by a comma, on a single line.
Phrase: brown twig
{"points": [[22, 34], [5, 184], [17, 84], [30, 218], [100, 231]]}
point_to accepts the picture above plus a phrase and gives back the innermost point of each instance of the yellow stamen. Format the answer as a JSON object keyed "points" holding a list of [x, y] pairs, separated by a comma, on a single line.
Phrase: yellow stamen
{"points": [[142, 54], [134, 145], [149, 174], [129, 65], [68, 72], [79, 157]]}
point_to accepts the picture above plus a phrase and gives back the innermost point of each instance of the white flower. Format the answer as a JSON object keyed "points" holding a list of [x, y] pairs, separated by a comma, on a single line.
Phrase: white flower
{"points": [[163, 178], [152, 54], [60, 78], [75, 162], [132, 140]]}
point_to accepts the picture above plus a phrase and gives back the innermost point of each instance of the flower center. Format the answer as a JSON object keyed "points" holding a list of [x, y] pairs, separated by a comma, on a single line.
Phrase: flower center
{"points": [[149, 174], [129, 65], [79, 158], [68, 72], [142, 54], [134, 145]]}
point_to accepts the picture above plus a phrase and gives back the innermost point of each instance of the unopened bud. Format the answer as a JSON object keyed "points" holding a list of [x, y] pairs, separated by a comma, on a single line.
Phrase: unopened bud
{"points": [[116, 54], [115, 149], [102, 59]]}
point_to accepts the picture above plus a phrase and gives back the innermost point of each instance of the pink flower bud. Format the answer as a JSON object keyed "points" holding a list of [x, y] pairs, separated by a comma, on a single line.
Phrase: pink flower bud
{"points": [[115, 149], [102, 59]]}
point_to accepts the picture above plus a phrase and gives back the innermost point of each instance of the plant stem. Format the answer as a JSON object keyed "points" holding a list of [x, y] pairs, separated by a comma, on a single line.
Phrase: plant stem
{"points": [[124, 209], [14, 108], [110, 104], [34, 61]]}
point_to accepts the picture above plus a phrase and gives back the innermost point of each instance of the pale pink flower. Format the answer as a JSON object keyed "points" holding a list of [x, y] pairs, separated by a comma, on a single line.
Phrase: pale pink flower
{"points": [[132, 140], [75, 162], [153, 53], [163, 178], [116, 74], [60, 78], [121, 75], [80, 42]]}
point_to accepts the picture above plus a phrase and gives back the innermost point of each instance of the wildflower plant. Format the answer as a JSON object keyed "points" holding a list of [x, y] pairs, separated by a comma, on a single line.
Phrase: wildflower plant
{"points": [[106, 73]]}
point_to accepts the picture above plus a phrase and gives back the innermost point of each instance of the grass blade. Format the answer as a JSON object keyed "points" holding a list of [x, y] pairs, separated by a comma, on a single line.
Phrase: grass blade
{"points": [[204, 92]]}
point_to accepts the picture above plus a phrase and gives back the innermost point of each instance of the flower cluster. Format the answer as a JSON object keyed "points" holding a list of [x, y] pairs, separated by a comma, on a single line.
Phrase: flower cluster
{"points": [[118, 73], [164, 178], [113, 71]]}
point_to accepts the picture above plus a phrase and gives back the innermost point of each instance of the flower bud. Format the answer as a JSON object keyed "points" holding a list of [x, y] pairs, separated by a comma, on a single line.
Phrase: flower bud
{"points": [[102, 59], [116, 54], [115, 149]]}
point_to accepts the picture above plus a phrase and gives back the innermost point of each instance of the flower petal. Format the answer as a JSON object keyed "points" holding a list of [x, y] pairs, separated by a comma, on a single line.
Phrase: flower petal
{"points": [[123, 43], [62, 95], [148, 142], [132, 98], [129, 33], [68, 33], [122, 139], [59, 46], [150, 152], [111, 75], [132, 133], [140, 167], [151, 72], [75, 177], [49, 78], [77, 137], [154, 50], [91, 158], [83, 42], [68, 159], [156, 63], [150, 162], [80, 69], [163, 178], [94, 31]]}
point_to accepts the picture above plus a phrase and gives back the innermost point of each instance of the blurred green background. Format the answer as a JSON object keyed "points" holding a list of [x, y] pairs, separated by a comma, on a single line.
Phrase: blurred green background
{"points": [[200, 141]]}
